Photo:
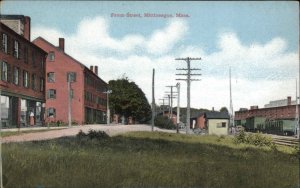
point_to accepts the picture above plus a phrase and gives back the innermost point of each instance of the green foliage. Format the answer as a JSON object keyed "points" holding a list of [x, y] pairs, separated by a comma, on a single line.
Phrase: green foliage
{"points": [[257, 139], [129, 100], [224, 109], [146, 159], [164, 122], [92, 134]]}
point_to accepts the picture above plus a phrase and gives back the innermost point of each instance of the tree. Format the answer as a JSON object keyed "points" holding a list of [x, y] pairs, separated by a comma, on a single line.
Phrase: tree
{"points": [[224, 109], [127, 99]]}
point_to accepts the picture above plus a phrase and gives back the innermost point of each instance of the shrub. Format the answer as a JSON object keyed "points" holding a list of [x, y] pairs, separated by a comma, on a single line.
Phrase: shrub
{"points": [[240, 138], [257, 139], [92, 134], [164, 122]]}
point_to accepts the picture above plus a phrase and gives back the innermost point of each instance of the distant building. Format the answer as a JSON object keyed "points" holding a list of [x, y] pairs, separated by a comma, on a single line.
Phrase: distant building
{"points": [[213, 121], [271, 113], [282, 102], [87, 89], [22, 74]]}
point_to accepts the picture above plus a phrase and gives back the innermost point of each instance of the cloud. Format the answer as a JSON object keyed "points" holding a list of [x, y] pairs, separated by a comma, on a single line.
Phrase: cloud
{"points": [[163, 40], [93, 34], [261, 71]]}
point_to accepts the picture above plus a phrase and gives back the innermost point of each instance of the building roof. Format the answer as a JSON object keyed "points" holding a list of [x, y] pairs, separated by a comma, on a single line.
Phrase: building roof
{"points": [[20, 37], [73, 59], [216, 115]]}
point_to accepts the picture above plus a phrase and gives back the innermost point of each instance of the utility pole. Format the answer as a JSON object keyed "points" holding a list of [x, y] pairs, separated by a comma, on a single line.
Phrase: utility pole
{"points": [[178, 107], [188, 80], [107, 106], [1, 172], [171, 115], [231, 121], [153, 101], [297, 111], [69, 101]]}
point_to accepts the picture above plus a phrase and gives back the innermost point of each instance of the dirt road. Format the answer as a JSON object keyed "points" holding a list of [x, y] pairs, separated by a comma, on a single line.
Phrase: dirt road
{"points": [[51, 134]]}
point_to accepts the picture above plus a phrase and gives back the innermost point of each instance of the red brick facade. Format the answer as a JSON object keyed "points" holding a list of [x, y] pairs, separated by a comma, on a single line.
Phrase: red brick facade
{"points": [[88, 100], [22, 76], [282, 112]]}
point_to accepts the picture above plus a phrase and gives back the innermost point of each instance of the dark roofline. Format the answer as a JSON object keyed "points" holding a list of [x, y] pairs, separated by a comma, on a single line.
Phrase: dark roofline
{"points": [[76, 61], [57, 48], [95, 74], [2, 25], [12, 16]]}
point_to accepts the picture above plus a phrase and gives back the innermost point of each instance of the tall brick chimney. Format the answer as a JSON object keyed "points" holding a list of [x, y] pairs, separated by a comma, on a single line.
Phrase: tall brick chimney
{"points": [[96, 70], [62, 44], [27, 27], [289, 100], [92, 68]]}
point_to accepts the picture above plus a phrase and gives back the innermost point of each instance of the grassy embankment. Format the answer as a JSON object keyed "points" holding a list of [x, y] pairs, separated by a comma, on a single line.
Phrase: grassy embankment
{"points": [[146, 159]]}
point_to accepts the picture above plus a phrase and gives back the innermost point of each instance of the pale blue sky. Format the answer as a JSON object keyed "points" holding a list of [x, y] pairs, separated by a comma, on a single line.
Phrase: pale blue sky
{"points": [[258, 39], [252, 21]]}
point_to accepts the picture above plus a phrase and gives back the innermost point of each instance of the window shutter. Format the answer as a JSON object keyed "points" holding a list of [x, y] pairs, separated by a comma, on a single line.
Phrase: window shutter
{"points": [[19, 51], [48, 95], [54, 112], [1, 39], [9, 75], [8, 45]]}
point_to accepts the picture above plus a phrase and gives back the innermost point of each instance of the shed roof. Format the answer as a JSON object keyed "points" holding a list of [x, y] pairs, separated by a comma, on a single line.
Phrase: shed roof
{"points": [[216, 115]]}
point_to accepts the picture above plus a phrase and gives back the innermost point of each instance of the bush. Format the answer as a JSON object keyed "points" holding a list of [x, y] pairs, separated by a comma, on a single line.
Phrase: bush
{"points": [[164, 122], [92, 134], [257, 139]]}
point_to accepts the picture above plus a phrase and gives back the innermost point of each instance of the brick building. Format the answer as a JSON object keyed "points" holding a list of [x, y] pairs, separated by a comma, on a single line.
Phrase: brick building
{"points": [[87, 89], [22, 74], [272, 113]]}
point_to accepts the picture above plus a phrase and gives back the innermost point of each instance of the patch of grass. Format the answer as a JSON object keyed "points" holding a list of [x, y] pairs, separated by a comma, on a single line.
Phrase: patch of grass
{"points": [[15, 133], [147, 159]]}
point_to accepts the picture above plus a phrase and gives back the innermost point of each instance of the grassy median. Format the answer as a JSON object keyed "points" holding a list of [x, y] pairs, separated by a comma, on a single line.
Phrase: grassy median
{"points": [[145, 159]]}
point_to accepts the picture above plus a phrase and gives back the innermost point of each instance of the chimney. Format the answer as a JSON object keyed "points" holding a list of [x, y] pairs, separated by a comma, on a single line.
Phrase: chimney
{"points": [[213, 109], [96, 70], [289, 100], [92, 68], [27, 28], [253, 107], [62, 44]]}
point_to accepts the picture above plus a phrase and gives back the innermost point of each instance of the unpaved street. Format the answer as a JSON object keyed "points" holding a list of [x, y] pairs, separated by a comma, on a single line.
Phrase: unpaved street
{"points": [[51, 134]]}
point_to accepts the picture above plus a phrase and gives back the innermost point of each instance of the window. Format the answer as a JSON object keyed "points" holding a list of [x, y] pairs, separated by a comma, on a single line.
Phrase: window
{"points": [[51, 77], [33, 58], [71, 76], [42, 84], [16, 49], [72, 93], [25, 54], [33, 80], [51, 112], [25, 79], [4, 43], [51, 56], [51, 94], [223, 124], [42, 63], [16, 75], [4, 71]]}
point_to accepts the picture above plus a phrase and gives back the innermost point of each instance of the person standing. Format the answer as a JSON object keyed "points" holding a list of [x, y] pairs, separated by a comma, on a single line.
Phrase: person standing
{"points": [[31, 118]]}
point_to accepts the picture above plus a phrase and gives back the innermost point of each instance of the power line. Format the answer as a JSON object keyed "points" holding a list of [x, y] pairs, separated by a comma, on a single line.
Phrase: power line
{"points": [[188, 80]]}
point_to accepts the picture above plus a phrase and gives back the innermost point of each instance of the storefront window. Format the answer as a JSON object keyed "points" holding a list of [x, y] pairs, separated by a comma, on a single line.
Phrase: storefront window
{"points": [[4, 107], [23, 112]]}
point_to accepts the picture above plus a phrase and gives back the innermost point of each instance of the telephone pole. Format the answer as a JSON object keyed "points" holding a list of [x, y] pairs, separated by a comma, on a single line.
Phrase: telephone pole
{"points": [[188, 80], [171, 97], [231, 123], [153, 101], [178, 106]]}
